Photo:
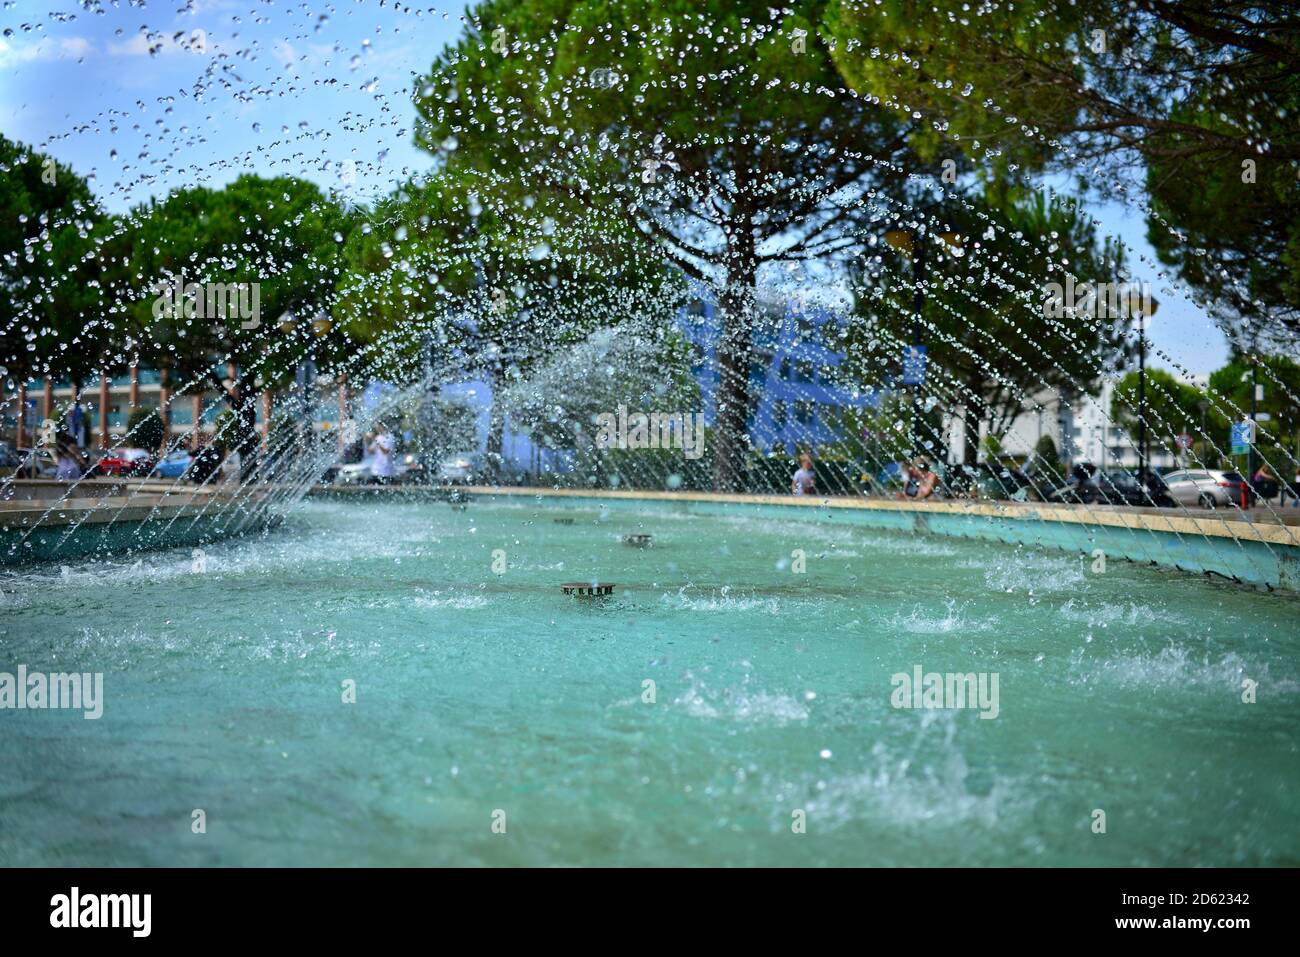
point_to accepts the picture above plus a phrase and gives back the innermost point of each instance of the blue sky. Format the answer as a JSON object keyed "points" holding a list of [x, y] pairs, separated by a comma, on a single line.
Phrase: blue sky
{"points": [[145, 97]]}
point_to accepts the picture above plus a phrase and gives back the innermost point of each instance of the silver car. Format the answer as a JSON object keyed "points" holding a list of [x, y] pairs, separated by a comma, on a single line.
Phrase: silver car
{"points": [[458, 468], [1207, 488]]}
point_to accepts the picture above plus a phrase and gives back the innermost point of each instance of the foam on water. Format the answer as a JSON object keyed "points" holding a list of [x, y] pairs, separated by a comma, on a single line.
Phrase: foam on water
{"points": [[1180, 668], [1120, 614], [741, 704], [721, 601], [922, 621], [1029, 571], [927, 782]]}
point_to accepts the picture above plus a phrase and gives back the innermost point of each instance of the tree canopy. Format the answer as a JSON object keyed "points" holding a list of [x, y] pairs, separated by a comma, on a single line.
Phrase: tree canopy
{"points": [[716, 131], [1200, 91]]}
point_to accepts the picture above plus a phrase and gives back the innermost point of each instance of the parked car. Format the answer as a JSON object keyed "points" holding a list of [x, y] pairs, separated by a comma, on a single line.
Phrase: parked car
{"points": [[355, 473], [988, 481], [174, 464], [458, 469], [1079, 488], [29, 463], [124, 462], [1209, 488], [1118, 487], [411, 468]]}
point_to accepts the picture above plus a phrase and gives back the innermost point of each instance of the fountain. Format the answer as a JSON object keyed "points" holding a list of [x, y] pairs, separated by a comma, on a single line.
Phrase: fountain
{"points": [[568, 304]]}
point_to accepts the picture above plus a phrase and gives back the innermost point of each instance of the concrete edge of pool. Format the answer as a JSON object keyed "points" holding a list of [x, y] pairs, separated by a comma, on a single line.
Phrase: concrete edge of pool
{"points": [[1262, 553], [42, 522], [1255, 553]]}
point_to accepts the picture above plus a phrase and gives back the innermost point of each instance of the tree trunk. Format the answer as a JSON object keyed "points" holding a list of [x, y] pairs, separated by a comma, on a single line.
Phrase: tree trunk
{"points": [[164, 401], [20, 417], [971, 426], [345, 414], [103, 408], [196, 413], [735, 351], [496, 437]]}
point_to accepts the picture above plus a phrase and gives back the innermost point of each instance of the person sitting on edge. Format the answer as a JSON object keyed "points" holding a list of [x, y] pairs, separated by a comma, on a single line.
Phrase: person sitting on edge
{"points": [[1265, 482], [918, 472], [802, 483], [71, 463]]}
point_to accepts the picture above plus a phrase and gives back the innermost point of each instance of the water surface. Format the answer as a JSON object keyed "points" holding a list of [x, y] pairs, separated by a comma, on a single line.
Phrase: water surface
{"points": [[479, 693]]}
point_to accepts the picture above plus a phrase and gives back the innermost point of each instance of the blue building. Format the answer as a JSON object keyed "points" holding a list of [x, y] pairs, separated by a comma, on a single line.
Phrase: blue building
{"points": [[792, 373]]}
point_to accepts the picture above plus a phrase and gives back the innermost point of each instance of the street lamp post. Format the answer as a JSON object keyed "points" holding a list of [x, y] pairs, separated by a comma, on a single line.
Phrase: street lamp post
{"points": [[1254, 415], [1142, 400], [1203, 405], [1136, 305]]}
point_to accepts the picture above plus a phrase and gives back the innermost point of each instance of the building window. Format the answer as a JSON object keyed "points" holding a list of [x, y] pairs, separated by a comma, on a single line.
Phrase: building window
{"points": [[778, 414], [804, 371], [804, 413]]}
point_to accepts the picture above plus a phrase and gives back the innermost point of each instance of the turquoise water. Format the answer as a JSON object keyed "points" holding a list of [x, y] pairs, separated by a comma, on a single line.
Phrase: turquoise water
{"points": [[479, 692]]}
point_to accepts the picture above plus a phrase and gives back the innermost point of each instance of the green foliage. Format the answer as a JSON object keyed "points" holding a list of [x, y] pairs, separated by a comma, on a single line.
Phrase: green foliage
{"points": [[1174, 407], [1230, 390], [282, 234], [49, 294], [1047, 460], [992, 345], [1170, 403], [450, 265], [1187, 91], [660, 130], [145, 428]]}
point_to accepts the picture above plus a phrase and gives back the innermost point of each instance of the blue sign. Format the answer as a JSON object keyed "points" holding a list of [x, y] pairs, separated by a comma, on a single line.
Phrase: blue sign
{"points": [[1243, 437], [914, 365]]}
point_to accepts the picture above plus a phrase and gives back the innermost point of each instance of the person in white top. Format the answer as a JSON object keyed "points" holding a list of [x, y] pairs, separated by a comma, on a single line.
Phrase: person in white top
{"points": [[381, 447], [802, 483]]}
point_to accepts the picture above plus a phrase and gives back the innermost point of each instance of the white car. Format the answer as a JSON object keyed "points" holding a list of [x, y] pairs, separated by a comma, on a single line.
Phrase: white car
{"points": [[357, 473], [457, 468], [35, 463], [1207, 488]]}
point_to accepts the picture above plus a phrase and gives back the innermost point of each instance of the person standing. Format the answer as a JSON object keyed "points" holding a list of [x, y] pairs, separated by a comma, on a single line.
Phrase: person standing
{"points": [[381, 448], [804, 481], [76, 421]]}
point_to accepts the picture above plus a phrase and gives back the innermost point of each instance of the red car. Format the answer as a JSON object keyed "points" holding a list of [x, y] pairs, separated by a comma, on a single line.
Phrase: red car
{"points": [[124, 462]]}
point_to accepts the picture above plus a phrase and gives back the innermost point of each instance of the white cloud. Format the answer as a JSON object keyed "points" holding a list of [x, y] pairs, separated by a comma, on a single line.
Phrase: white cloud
{"points": [[192, 41], [69, 48]]}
